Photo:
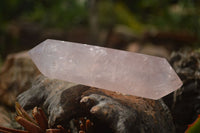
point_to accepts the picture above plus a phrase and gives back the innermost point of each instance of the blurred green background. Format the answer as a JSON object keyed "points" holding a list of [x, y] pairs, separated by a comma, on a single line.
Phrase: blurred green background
{"points": [[123, 24]]}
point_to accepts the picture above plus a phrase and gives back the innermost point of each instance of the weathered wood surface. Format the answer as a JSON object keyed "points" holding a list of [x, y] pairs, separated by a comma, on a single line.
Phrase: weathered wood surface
{"points": [[64, 101], [15, 77]]}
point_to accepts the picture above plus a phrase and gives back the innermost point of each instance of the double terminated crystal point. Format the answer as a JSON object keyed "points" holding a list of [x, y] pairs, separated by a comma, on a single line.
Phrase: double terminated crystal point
{"points": [[116, 70]]}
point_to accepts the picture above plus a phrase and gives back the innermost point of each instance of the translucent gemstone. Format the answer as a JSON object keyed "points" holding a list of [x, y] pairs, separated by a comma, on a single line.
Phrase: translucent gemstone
{"points": [[116, 70]]}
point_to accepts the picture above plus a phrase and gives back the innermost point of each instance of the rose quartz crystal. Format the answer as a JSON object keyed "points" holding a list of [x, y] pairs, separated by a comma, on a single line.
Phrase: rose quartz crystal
{"points": [[116, 70]]}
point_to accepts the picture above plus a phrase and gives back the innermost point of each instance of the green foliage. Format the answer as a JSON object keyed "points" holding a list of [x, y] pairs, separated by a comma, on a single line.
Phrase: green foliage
{"points": [[170, 15], [178, 17], [195, 127], [167, 15], [61, 13], [135, 14], [125, 17], [105, 11]]}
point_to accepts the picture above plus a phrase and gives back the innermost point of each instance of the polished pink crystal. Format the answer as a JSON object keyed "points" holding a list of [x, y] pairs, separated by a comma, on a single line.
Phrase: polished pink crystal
{"points": [[116, 70]]}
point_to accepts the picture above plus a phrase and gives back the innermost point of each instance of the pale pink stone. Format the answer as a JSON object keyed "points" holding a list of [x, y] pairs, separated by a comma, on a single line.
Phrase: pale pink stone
{"points": [[116, 70]]}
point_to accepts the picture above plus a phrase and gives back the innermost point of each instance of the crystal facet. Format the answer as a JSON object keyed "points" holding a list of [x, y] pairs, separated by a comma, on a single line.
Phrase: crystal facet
{"points": [[116, 70]]}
